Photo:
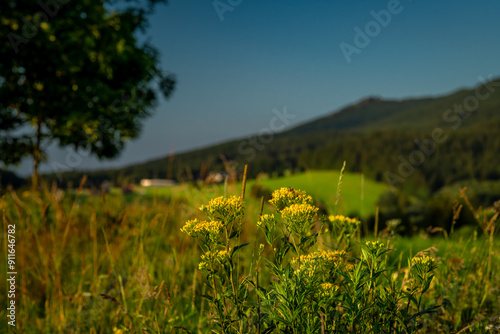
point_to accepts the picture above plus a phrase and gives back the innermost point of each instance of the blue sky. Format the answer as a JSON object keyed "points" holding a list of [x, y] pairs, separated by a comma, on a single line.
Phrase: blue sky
{"points": [[263, 55]]}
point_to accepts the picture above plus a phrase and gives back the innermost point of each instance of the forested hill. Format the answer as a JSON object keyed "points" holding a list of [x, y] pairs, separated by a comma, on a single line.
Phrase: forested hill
{"points": [[457, 136], [359, 116]]}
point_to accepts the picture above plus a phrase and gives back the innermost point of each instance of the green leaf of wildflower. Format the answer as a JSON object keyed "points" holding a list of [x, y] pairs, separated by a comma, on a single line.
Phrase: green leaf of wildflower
{"points": [[269, 330], [262, 290], [268, 236], [348, 279], [365, 253], [413, 299], [208, 297], [308, 241], [238, 247], [427, 284], [233, 234], [383, 252]]}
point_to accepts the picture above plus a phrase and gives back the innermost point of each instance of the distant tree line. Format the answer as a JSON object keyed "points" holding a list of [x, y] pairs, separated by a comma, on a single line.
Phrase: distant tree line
{"points": [[468, 154]]}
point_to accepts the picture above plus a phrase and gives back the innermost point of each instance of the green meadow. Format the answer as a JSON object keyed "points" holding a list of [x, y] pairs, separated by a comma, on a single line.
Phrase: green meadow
{"points": [[358, 195], [300, 200], [115, 263]]}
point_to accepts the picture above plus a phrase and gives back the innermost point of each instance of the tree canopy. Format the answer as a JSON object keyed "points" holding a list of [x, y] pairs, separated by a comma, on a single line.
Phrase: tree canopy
{"points": [[75, 73]]}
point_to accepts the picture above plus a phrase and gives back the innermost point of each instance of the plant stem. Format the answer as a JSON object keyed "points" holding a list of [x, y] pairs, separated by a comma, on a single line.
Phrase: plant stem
{"points": [[322, 323], [234, 292], [258, 298], [217, 306]]}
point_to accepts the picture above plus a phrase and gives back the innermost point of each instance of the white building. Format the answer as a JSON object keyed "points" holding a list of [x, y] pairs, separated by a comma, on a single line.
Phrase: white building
{"points": [[157, 183]]}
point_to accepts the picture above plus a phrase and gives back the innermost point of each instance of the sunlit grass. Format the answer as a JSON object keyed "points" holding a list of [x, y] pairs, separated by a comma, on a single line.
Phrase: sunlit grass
{"points": [[100, 264], [359, 195]]}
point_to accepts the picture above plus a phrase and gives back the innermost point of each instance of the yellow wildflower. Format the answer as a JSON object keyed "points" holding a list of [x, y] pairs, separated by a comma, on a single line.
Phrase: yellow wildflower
{"points": [[424, 260], [328, 289], [299, 217], [424, 263], [345, 224], [209, 229], [343, 219], [322, 261], [284, 197], [373, 248], [225, 209], [349, 267], [210, 260], [267, 220]]}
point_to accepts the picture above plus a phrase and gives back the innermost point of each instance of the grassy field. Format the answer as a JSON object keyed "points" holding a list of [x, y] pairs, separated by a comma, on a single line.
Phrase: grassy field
{"points": [[120, 264], [358, 195]]}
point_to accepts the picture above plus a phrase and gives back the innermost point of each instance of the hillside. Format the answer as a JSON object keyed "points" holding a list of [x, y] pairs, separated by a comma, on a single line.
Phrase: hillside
{"points": [[359, 116], [374, 136]]}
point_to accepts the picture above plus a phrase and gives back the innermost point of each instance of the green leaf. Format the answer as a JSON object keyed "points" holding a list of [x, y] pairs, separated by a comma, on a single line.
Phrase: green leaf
{"points": [[269, 330], [233, 234], [383, 252], [208, 297], [238, 247], [268, 236]]}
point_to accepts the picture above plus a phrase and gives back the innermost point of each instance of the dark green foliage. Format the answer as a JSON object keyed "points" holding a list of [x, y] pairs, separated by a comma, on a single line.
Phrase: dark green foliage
{"points": [[76, 74], [370, 136], [10, 179], [437, 212]]}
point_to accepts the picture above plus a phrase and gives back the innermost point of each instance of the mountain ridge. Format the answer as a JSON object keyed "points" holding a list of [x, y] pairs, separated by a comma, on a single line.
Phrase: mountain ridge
{"points": [[364, 133]]}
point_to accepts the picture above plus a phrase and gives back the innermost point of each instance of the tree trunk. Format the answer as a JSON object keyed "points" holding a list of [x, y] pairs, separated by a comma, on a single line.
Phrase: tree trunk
{"points": [[36, 154]]}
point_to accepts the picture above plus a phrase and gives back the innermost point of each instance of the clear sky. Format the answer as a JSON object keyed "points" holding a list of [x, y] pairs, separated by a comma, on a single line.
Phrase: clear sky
{"points": [[263, 55]]}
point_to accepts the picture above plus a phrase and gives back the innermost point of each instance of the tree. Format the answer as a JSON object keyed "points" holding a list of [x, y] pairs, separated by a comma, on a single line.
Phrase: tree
{"points": [[75, 73]]}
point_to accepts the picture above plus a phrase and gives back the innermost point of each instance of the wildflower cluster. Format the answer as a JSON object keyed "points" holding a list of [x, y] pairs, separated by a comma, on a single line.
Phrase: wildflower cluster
{"points": [[211, 260], [328, 290], [267, 220], [423, 265], [338, 290], [344, 221], [375, 248], [225, 209], [288, 196], [421, 275], [299, 217], [217, 239], [319, 262], [210, 230], [344, 226], [425, 261]]}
